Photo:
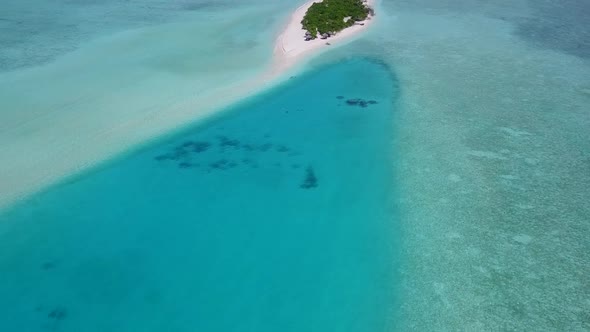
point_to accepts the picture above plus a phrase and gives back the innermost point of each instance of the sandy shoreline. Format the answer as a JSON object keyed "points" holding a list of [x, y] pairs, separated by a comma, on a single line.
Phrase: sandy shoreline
{"points": [[26, 175], [291, 47]]}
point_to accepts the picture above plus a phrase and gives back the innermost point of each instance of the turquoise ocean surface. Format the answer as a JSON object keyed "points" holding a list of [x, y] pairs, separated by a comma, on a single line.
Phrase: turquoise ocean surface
{"points": [[274, 216], [456, 201], [90, 79]]}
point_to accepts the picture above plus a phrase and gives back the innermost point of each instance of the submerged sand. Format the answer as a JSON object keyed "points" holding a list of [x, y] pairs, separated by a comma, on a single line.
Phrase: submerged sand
{"points": [[58, 132]]}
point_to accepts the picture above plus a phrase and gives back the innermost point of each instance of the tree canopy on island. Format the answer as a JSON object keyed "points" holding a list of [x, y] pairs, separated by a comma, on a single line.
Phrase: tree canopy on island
{"points": [[330, 16]]}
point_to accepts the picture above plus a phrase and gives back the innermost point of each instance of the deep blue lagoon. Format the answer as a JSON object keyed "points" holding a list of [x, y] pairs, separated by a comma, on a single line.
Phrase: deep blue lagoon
{"points": [[275, 216]]}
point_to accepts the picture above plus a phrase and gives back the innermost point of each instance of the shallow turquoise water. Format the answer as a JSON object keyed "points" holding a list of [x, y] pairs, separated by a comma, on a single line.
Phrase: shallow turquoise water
{"points": [[490, 132], [275, 216], [104, 74], [37, 32]]}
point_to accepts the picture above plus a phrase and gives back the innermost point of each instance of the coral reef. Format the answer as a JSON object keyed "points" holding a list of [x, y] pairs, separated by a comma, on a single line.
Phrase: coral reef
{"points": [[310, 181], [360, 102], [232, 153]]}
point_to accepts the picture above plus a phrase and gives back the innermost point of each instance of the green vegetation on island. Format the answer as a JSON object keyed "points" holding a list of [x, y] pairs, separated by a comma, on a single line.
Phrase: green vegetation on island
{"points": [[330, 16]]}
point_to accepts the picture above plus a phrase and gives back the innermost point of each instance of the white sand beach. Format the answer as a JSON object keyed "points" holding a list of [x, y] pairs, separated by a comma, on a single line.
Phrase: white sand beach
{"points": [[291, 46], [93, 111]]}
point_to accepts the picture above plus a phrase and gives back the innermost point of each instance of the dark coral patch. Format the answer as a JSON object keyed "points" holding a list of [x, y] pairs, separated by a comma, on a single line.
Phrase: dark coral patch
{"points": [[220, 164], [360, 102], [224, 141], [310, 181], [282, 148], [58, 314], [183, 153], [178, 154], [199, 147], [185, 165], [48, 265], [352, 102]]}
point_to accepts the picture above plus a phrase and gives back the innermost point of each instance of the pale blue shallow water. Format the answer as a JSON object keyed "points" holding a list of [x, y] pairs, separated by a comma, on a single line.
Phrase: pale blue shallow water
{"points": [[221, 227], [490, 134], [37, 32], [104, 73]]}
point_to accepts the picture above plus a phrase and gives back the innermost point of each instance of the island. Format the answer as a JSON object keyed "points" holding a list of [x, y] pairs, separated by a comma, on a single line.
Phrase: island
{"points": [[315, 21], [326, 18]]}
